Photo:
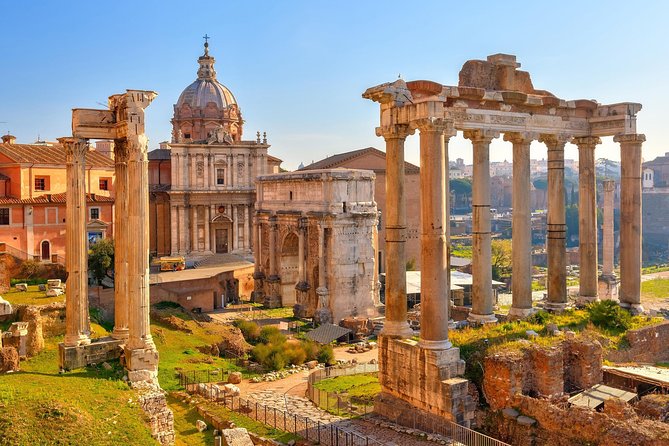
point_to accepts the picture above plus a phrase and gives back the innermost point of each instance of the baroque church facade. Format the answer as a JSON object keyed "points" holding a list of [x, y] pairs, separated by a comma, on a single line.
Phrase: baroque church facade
{"points": [[203, 182]]}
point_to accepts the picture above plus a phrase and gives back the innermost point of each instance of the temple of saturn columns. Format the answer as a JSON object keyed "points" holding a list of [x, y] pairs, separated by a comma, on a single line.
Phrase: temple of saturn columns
{"points": [[492, 98], [123, 123]]}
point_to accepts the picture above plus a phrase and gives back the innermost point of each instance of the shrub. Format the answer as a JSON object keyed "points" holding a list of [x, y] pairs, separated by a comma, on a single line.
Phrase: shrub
{"points": [[540, 317], [311, 349], [608, 315], [270, 334], [250, 330], [294, 353], [31, 269], [166, 304], [326, 355]]}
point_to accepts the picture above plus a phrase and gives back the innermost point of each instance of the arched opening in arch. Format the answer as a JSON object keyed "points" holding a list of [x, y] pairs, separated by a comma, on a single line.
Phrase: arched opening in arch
{"points": [[289, 268]]}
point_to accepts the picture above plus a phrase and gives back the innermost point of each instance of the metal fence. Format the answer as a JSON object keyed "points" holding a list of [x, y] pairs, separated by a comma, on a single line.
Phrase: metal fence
{"points": [[189, 379], [340, 403]]}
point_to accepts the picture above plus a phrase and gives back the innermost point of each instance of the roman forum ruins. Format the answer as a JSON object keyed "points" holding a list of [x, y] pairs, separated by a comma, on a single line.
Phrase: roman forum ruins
{"points": [[124, 124], [492, 98]]}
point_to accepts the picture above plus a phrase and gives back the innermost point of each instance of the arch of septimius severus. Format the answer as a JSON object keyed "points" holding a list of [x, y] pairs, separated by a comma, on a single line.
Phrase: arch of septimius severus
{"points": [[492, 98], [123, 123]]}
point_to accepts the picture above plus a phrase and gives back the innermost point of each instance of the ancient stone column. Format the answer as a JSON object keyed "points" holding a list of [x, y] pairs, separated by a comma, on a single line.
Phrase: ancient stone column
{"points": [[556, 227], [174, 235], [302, 286], [587, 218], [235, 227], [77, 325], [193, 227], [121, 241], [273, 229], [141, 353], [607, 228], [323, 314], [630, 220], [521, 281], [258, 273], [396, 324], [182, 229], [301, 229], [435, 275], [247, 236], [482, 293], [207, 222]]}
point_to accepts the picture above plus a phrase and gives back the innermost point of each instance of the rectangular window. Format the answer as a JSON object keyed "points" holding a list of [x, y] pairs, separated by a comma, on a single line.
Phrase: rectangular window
{"points": [[40, 183], [220, 176], [104, 184], [4, 216], [95, 213]]}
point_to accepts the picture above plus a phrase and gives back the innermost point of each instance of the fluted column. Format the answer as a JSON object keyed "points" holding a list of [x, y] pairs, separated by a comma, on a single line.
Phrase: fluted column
{"points": [[521, 281], [396, 324], [121, 240], [138, 256], [435, 275], [77, 325], [556, 227], [207, 236], [587, 218], [273, 229], [607, 229], [630, 220], [300, 248], [482, 293]]}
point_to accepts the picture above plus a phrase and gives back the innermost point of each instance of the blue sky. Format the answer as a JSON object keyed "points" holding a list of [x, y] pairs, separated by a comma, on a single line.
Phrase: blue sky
{"points": [[298, 68]]}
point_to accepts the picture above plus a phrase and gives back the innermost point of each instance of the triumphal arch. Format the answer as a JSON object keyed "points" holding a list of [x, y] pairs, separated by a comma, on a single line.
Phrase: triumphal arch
{"points": [[123, 123], [492, 98]]}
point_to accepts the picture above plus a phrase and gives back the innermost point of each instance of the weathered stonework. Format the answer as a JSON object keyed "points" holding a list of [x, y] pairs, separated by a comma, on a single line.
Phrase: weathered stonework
{"points": [[316, 250], [161, 418]]}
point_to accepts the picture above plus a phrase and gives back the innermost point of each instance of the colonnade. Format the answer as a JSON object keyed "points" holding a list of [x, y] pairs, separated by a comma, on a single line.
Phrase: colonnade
{"points": [[239, 170], [435, 288]]}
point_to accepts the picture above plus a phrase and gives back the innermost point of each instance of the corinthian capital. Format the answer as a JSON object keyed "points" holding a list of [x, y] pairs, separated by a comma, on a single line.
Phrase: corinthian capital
{"points": [[554, 141], [75, 148], [631, 138], [480, 135], [120, 150], [438, 125], [586, 142], [395, 131], [520, 137]]}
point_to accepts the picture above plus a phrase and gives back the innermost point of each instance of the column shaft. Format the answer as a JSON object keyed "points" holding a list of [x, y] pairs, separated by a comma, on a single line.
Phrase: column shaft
{"points": [[555, 243], [587, 218], [207, 236], [235, 228], [121, 241], [300, 254], [607, 229], [181, 209], [174, 235], [435, 275], [194, 239], [521, 282], [630, 220], [482, 294], [77, 326], [273, 229], [396, 324], [247, 236]]}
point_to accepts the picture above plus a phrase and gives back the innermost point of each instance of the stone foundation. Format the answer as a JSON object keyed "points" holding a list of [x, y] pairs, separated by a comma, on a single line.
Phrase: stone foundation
{"points": [[417, 379], [161, 418], [98, 351], [142, 364]]}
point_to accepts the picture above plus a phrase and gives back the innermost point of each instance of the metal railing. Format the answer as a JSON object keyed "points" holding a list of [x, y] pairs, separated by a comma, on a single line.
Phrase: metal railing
{"points": [[189, 379], [340, 403]]}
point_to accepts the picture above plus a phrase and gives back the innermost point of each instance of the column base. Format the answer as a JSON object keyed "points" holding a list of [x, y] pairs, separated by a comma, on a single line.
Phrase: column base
{"points": [[481, 319], [521, 313], [426, 344], [584, 300], [556, 307], [120, 334], [635, 309], [76, 357], [396, 330], [142, 363], [76, 341]]}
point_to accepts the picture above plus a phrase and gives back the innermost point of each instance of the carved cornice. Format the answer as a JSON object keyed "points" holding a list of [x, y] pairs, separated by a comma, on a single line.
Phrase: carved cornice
{"points": [[632, 138], [397, 131]]}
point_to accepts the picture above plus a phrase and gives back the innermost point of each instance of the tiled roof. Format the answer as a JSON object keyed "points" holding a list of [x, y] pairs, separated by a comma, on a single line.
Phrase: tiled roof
{"points": [[55, 154], [54, 198], [327, 333], [274, 158], [337, 160], [159, 155]]}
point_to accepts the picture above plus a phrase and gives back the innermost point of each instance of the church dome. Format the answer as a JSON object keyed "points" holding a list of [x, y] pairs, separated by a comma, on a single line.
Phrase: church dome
{"points": [[206, 87]]}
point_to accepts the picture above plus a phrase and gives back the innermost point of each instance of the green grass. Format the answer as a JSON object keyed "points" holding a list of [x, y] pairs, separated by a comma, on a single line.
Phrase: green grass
{"points": [[538, 285], [655, 289], [185, 416], [31, 297], [461, 251], [91, 406], [654, 269], [364, 384]]}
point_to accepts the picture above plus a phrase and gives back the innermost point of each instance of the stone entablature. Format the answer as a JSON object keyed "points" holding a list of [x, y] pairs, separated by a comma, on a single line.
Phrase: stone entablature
{"points": [[315, 236]]}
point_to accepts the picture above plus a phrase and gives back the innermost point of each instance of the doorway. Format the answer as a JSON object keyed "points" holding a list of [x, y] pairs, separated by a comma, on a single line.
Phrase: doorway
{"points": [[46, 250], [221, 241]]}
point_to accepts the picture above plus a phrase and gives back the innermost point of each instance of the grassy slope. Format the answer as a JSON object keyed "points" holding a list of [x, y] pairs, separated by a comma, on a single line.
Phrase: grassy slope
{"points": [[354, 385], [31, 297], [655, 289]]}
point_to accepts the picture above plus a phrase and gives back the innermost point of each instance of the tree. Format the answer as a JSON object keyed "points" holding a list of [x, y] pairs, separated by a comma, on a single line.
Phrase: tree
{"points": [[101, 258], [501, 258]]}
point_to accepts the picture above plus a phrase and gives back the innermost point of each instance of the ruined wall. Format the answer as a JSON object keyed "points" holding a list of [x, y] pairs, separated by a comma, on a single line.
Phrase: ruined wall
{"points": [[161, 418], [539, 422], [43, 321], [648, 344], [541, 371]]}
